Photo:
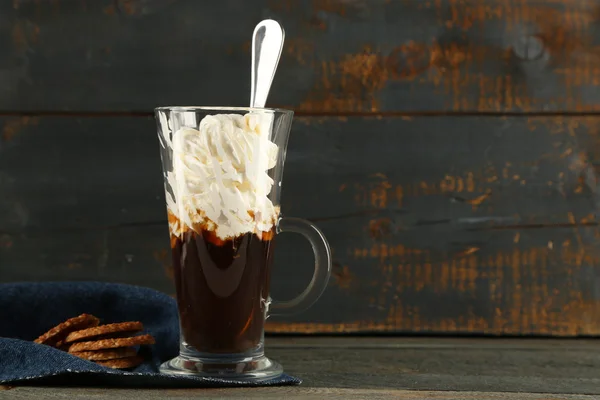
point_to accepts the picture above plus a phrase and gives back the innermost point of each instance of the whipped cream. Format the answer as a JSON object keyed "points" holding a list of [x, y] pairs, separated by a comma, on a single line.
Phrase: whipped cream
{"points": [[219, 179]]}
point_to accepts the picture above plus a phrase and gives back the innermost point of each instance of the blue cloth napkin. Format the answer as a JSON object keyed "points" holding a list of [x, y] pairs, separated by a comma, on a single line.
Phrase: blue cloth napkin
{"points": [[29, 309]]}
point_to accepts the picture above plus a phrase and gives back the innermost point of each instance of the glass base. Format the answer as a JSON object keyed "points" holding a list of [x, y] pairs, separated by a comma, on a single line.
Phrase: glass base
{"points": [[257, 368]]}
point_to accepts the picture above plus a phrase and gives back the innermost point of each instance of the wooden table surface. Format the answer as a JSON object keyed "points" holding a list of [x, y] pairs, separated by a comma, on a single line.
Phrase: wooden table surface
{"points": [[405, 368]]}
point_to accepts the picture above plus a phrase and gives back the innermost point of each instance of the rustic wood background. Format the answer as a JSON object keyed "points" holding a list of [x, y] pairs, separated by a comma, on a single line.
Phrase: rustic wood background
{"points": [[447, 148]]}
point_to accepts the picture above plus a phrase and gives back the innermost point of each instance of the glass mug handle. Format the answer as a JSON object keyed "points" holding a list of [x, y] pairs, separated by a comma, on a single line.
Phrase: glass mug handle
{"points": [[320, 277]]}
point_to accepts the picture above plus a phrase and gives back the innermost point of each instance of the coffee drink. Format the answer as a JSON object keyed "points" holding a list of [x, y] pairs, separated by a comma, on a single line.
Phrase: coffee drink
{"points": [[222, 290], [223, 170], [222, 224]]}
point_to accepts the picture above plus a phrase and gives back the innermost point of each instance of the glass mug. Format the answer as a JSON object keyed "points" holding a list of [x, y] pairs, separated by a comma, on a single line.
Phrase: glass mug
{"points": [[223, 168]]}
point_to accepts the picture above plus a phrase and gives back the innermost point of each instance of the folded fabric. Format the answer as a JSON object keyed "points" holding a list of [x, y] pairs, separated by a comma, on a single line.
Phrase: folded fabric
{"points": [[29, 309]]}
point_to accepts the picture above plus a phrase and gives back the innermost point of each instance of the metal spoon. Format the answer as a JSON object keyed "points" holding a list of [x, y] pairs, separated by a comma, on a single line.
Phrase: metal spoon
{"points": [[267, 43]]}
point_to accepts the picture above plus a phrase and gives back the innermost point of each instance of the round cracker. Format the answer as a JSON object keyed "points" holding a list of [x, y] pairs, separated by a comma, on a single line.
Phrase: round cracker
{"points": [[103, 355], [122, 363], [112, 343], [59, 332], [103, 330]]}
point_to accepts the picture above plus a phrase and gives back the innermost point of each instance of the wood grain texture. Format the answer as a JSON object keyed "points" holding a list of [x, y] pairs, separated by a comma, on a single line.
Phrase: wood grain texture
{"points": [[439, 225], [341, 56], [34, 393], [431, 368]]}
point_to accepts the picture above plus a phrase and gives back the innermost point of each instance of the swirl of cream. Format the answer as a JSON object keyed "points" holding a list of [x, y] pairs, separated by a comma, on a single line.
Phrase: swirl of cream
{"points": [[219, 179]]}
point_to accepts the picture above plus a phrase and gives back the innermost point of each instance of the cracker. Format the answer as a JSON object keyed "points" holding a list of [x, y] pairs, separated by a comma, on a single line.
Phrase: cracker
{"points": [[59, 332], [108, 354], [103, 330], [111, 343], [122, 363]]}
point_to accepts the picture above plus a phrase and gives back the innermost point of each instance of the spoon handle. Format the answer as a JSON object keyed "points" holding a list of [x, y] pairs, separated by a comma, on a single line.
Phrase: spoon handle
{"points": [[267, 42]]}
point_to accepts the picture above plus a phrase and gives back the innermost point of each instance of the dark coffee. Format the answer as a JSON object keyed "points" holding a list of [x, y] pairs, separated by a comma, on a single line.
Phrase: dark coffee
{"points": [[222, 289]]}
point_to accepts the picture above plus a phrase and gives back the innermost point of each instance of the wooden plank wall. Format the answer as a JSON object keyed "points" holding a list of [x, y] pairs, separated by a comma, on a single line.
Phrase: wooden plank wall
{"points": [[447, 148]]}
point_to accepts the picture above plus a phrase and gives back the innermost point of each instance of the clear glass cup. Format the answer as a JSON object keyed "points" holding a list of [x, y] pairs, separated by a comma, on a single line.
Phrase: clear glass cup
{"points": [[223, 168]]}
